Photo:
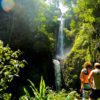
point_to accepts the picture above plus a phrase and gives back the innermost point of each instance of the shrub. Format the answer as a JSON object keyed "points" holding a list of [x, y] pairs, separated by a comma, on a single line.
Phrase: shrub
{"points": [[9, 66]]}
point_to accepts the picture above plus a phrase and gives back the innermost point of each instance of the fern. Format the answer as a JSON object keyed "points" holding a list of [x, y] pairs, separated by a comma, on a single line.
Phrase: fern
{"points": [[27, 93], [41, 94]]}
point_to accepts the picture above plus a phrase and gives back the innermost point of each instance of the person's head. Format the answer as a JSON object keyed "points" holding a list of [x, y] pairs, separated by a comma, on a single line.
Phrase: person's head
{"points": [[97, 65], [87, 65]]}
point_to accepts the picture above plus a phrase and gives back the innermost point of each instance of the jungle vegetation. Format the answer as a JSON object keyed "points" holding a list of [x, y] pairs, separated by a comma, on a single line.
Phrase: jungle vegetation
{"points": [[28, 45]]}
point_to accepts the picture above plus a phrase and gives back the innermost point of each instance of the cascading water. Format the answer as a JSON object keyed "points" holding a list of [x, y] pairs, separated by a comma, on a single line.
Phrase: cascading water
{"points": [[57, 74], [59, 52], [60, 39]]}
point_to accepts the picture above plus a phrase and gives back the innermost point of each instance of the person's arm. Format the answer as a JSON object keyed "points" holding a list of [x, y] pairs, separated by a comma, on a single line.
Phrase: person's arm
{"points": [[82, 80], [90, 78]]}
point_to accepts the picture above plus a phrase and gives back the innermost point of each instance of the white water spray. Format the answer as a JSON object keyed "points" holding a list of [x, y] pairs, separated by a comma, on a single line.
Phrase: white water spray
{"points": [[57, 74], [59, 54], [60, 49], [60, 39]]}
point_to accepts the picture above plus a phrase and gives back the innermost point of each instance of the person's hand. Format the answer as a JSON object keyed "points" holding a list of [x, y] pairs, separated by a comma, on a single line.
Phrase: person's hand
{"points": [[81, 89]]}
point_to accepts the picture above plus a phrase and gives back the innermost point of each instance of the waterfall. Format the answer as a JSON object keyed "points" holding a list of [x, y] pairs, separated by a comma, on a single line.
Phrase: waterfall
{"points": [[59, 56], [60, 39], [57, 74]]}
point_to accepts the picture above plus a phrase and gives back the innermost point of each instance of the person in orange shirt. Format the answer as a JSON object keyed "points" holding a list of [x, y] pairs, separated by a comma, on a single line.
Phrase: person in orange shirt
{"points": [[85, 85]]}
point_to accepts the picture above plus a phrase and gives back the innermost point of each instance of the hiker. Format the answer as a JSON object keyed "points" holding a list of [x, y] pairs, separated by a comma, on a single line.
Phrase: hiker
{"points": [[95, 73], [85, 85]]}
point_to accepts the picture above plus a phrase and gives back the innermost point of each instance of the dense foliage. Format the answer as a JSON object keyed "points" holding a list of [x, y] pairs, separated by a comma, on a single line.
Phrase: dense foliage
{"points": [[32, 27], [87, 40], [10, 66], [44, 93]]}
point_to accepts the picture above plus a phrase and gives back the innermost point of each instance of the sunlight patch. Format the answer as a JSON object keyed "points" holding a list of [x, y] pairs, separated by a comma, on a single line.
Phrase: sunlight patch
{"points": [[7, 5]]}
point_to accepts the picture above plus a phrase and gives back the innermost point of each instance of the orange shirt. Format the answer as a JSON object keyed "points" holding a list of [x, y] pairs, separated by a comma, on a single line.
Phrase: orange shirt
{"points": [[84, 77]]}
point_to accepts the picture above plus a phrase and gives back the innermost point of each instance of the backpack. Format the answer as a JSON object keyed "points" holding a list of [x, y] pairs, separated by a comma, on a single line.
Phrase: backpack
{"points": [[85, 71]]}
